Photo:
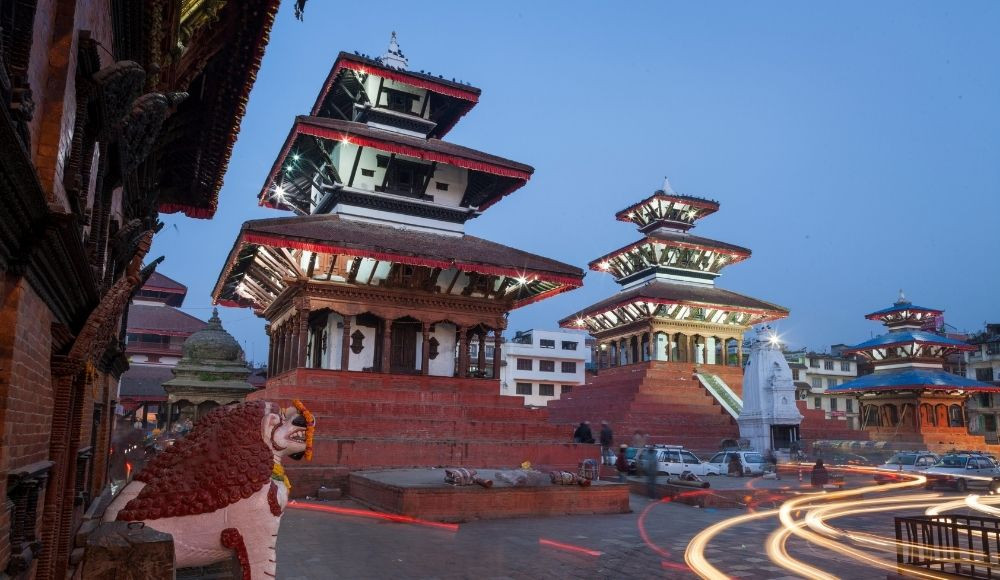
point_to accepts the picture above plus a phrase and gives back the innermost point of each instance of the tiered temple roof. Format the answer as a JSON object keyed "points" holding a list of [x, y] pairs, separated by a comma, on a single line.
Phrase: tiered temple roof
{"points": [[669, 273], [909, 359]]}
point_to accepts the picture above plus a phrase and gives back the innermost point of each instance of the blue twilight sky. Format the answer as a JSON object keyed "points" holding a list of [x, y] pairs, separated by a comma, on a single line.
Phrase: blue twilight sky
{"points": [[853, 146]]}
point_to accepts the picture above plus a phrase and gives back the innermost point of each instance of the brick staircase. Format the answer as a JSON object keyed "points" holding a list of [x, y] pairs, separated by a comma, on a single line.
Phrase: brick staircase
{"points": [[371, 421], [664, 399], [667, 400]]}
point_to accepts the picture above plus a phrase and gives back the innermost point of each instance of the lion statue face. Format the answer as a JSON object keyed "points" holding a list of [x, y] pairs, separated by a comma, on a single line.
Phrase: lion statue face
{"points": [[286, 432]]}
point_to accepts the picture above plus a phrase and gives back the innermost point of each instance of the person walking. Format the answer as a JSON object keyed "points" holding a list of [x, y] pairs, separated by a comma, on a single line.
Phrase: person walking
{"points": [[621, 464], [607, 440], [820, 476], [652, 466]]}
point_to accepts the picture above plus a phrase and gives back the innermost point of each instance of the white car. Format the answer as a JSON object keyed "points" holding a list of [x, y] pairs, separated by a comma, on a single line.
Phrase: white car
{"points": [[962, 471], [675, 460], [904, 462], [753, 462]]}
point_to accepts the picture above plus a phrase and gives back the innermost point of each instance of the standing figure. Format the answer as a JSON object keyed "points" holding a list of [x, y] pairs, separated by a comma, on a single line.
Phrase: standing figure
{"points": [[607, 440], [735, 465], [638, 440], [652, 466]]}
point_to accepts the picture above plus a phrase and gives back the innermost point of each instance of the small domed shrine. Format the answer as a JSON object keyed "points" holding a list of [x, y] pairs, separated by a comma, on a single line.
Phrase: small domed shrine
{"points": [[212, 372]]}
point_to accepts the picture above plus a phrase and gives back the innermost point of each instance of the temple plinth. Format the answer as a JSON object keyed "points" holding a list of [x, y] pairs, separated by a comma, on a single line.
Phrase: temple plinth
{"points": [[373, 292], [909, 399]]}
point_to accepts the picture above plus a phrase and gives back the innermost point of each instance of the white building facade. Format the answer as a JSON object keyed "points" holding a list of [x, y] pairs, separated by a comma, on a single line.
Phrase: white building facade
{"points": [[983, 365], [814, 373], [541, 365]]}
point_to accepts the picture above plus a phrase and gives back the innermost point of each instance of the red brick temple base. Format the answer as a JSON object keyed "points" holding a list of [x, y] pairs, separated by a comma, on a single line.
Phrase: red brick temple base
{"points": [[374, 420], [422, 493], [667, 400]]}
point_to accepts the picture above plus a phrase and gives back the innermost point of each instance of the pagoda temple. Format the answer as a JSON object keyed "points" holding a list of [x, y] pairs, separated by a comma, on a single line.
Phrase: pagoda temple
{"points": [[909, 399], [669, 344], [669, 308], [373, 283]]}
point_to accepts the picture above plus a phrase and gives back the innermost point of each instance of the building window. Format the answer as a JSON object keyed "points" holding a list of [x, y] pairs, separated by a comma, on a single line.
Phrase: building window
{"points": [[849, 405], [828, 365], [845, 366], [547, 390], [817, 403], [566, 389], [441, 186], [795, 374], [984, 374], [569, 345], [547, 343], [24, 493], [817, 383], [523, 388], [814, 363], [568, 367], [993, 348], [833, 404], [367, 173], [402, 177], [547, 366], [831, 383], [524, 364], [400, 101], [984, 399]]}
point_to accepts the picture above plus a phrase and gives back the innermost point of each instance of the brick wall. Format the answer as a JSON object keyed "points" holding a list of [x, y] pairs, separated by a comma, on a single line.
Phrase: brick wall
{"points": [[25, 388]]}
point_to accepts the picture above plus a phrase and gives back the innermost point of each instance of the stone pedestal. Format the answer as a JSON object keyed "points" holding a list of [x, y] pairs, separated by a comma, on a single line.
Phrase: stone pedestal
{"points": [[128, 551]]}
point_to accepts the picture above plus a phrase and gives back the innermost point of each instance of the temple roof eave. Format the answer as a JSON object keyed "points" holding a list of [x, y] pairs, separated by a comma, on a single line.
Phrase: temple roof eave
{"points": [[736, 253], [913, 380], [425, 149], [900, 338]]}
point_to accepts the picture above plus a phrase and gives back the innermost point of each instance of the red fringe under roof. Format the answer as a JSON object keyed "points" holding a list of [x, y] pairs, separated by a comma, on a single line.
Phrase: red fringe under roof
{"points": [[394, 75], [261, 239]]}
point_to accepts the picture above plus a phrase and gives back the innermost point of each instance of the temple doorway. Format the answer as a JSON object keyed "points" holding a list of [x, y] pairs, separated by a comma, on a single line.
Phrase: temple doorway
{"points": [[782, 436], [406, 332]]}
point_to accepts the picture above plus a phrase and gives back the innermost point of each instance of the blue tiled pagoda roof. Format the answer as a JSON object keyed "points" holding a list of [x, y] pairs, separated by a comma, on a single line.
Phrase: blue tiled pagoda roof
{"points": [[908, 336], [899, 307], [906, 379]]}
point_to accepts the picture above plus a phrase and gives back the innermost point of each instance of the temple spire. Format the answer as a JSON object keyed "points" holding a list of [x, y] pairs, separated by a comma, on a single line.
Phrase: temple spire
{"points": [[902, 297], [394, 57], [667, 188]]}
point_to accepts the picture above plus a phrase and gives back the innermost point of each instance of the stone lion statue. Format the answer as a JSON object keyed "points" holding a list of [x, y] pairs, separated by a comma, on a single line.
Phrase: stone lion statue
{"points": [[221, 489]]}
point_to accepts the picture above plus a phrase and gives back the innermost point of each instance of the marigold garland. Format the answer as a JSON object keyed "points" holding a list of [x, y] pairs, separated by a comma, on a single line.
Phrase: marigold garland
{"points": [[310, 428], [278, 473]]}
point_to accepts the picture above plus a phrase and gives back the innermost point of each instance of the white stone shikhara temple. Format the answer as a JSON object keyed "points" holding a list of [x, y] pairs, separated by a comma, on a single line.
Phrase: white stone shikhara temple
{"points": [[769, 419]]}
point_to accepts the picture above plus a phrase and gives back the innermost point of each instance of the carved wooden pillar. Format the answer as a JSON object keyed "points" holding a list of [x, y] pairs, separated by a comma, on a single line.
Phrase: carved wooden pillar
{"points": [[386, 346], [303, 339], [497, 343], [286, 351], [739, 353], [689, 348], [425, 348], [345, 346], [463, 366], [481, 360], [270, 347]]}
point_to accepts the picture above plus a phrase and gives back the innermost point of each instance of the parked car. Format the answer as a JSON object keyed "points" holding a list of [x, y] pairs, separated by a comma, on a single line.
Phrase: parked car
{"points": [[675, 460], [904, 462], [961, 471], [753, 462]]}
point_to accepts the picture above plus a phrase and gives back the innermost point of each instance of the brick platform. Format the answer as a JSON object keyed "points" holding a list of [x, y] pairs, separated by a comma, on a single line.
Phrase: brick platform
{"points": [[422, 493], [372, 420], [667, 400]]}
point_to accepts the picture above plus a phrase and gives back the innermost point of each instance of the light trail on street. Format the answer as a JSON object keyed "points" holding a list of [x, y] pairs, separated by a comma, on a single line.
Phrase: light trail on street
{"points": [[809, 517]]}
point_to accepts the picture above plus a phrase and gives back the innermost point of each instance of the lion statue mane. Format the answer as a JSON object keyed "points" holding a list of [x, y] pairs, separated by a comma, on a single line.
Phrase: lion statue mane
{"points": [[222, 489]]}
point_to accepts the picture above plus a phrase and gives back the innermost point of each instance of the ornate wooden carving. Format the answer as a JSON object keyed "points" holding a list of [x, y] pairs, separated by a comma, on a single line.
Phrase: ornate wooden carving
{"points": [[357, 342], [433, 350]]}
